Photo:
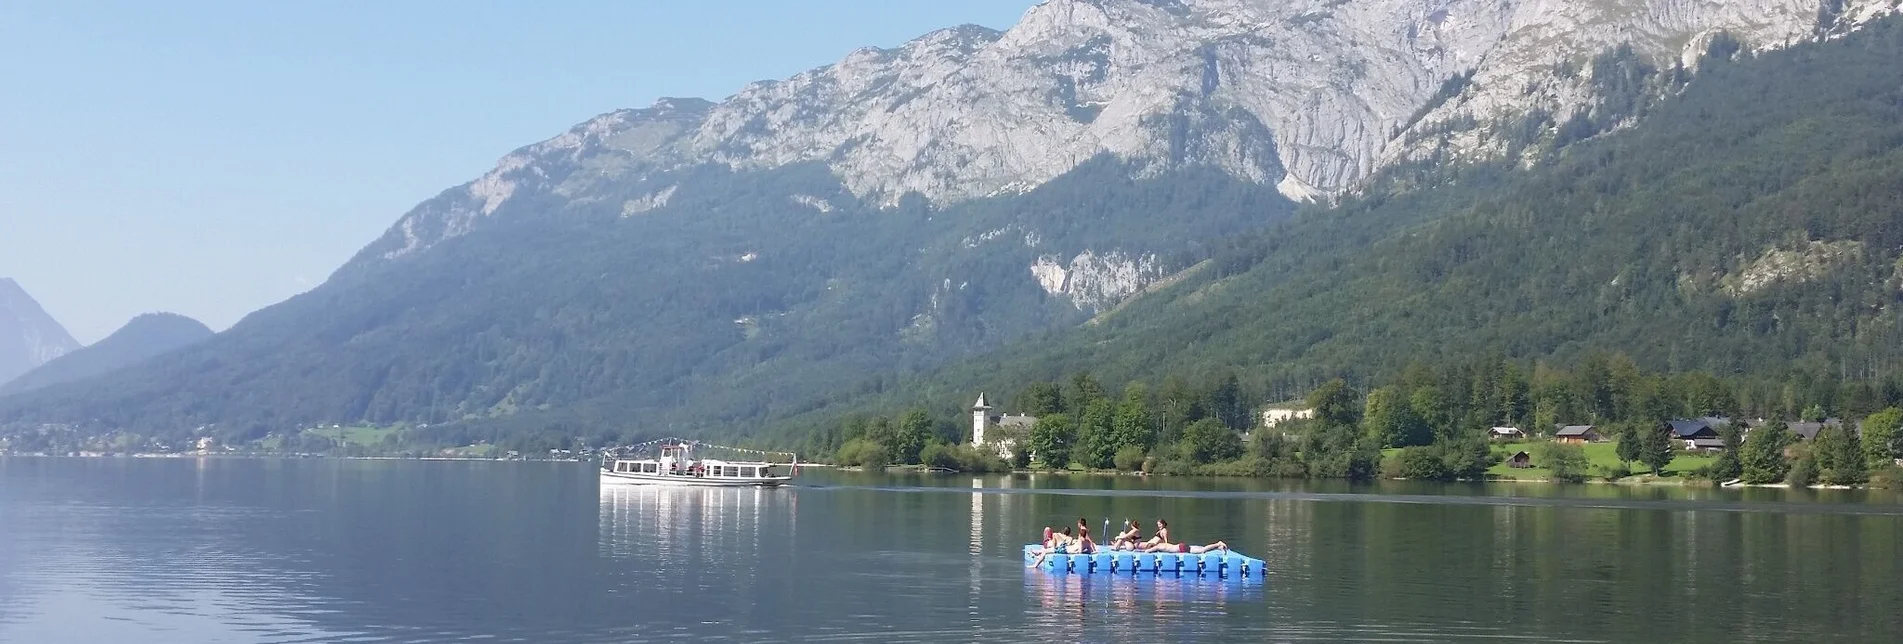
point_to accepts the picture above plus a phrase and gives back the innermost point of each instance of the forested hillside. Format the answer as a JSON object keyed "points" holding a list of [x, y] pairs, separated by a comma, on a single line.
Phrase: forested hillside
{"points": [[1749, 227], [731, 303]]}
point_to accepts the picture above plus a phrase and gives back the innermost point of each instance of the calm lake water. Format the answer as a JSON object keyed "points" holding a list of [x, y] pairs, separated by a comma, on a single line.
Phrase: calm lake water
{"points": [[238, 550]]}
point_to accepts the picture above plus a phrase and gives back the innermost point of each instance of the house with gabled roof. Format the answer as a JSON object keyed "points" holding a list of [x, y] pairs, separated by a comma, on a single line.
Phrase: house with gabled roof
{"points": [[1694, 428], [1579, 434]]}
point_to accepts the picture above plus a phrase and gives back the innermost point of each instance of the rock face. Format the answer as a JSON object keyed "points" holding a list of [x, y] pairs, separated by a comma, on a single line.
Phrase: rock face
{"points": [[144, 337], [28, 336], [1308, 95]]}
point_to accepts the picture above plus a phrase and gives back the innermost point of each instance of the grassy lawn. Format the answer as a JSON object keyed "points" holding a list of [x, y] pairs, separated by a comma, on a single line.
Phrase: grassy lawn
{"points": [[366, 436], [1599, 455]]}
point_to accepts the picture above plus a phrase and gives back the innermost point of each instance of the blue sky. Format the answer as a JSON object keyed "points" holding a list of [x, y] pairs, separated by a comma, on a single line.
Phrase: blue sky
{"points": [[214, 158]]}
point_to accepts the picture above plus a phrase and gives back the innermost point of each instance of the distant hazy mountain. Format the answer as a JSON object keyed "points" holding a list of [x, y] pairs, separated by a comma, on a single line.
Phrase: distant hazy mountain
{"points": [[145, 336], [28, 336]]}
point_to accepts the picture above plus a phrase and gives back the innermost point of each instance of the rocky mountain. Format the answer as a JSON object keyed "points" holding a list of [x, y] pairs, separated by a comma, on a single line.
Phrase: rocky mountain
{"points": [[1309, 95], [1746, 228], [697, 265], [142, 338], [28, 336]]}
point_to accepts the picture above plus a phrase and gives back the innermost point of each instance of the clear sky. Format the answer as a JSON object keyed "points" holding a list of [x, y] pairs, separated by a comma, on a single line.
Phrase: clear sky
{"points": [[212, 158]]}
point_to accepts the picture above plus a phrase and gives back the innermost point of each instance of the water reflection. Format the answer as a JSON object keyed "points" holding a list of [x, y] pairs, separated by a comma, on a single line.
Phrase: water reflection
{"points": [[664, 523]]}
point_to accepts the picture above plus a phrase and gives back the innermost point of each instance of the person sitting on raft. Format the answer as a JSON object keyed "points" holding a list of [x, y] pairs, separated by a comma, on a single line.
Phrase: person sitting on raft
{"points": [[1085, 545], [1162, 542], [1128, 539]]}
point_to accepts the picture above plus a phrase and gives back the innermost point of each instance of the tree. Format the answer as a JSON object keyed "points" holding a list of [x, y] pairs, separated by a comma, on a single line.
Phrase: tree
{"points": [[1567, 462], [1130, 458], [1041, 399], [1512, 395], [1227, 403], [914, 432], [1814, 413], [1655, 448], [1051, 438], [1084, 389], [1178, 406], [1763, 454], [1839, 457], [1628, 436], [1209, 441], [1882, 437], [1434, 409], [1133, 426], [1096, 444], [1729, 464], [1336, 404], [1390, 421]]}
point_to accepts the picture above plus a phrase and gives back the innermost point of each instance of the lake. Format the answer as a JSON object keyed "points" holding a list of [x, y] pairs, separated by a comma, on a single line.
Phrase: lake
{"points": [[261, 550]]}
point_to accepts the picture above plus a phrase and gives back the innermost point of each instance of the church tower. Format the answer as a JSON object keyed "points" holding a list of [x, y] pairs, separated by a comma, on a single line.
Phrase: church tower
{"points": [[980, 421]]}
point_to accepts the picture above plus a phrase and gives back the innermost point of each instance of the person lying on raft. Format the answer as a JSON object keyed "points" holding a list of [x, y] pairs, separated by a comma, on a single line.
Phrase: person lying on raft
{"points": [[1161, 542], [1053, 543]]}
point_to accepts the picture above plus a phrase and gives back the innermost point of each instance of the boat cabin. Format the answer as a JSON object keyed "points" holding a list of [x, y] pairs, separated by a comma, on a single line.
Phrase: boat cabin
{"points": [[698, 469]]}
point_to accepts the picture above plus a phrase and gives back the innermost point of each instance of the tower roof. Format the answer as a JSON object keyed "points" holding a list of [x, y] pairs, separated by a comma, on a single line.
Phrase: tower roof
{"points": [[981, 402]]}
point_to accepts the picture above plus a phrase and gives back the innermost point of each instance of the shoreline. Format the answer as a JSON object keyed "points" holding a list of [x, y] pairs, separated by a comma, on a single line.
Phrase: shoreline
{"points": [[1635, 480]]}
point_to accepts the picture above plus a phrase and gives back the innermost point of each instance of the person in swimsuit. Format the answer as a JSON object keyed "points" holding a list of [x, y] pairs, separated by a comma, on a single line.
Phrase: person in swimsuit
{"points": [[1162, 534], [1163, 544], [1127, 540], [1082, 545], [1053, 542]]}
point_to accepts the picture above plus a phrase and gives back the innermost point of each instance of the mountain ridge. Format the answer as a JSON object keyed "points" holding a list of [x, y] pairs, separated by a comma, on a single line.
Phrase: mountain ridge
{"points": [[145, 336], [29, 337], [1310, 96]]}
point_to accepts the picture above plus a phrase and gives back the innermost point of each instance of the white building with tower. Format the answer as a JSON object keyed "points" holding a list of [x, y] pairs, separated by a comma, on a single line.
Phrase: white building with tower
{"points": [[998, 433]]}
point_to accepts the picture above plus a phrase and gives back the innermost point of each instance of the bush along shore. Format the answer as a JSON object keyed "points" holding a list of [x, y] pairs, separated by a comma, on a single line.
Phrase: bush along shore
{"points": [[1604, 420]]}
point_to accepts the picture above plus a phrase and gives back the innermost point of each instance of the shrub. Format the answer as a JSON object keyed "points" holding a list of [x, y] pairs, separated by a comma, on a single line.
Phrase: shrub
{"points": [[979, 461], [1209, 441], [940, 455], [1615, 472], [1129, 458], [1803, 472], [1567, 462], [1424, 464], [1888, 477], [1175, 467], [863, 453]]}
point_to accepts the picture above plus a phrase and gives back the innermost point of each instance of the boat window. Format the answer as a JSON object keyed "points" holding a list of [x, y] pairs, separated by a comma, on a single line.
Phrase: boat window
{"points": [[621, 467], [733, 470], [651, 468]]}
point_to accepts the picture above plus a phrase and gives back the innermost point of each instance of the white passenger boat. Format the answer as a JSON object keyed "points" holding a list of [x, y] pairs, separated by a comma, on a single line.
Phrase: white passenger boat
{"points": [[678, 464]]}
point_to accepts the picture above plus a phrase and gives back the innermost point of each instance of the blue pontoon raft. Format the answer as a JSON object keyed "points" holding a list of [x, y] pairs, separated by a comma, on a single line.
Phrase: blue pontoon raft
{"points": [[1226, 564]]}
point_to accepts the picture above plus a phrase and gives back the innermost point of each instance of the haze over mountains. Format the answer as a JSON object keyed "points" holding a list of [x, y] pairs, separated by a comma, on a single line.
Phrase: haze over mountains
{"points": [[28, 336], [807, 243], [145, 336]]}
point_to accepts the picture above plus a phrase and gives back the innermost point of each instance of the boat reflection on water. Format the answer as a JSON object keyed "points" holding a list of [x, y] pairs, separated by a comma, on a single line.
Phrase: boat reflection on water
{"points": [[666, 523], [1163, 598]]}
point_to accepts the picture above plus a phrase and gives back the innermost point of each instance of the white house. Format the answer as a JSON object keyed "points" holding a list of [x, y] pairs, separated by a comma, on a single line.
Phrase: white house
{"points": [[1275, 415], [984, 428]]}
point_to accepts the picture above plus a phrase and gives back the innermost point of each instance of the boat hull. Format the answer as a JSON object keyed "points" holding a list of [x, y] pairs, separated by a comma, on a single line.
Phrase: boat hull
{"points": [[675, 480]]}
